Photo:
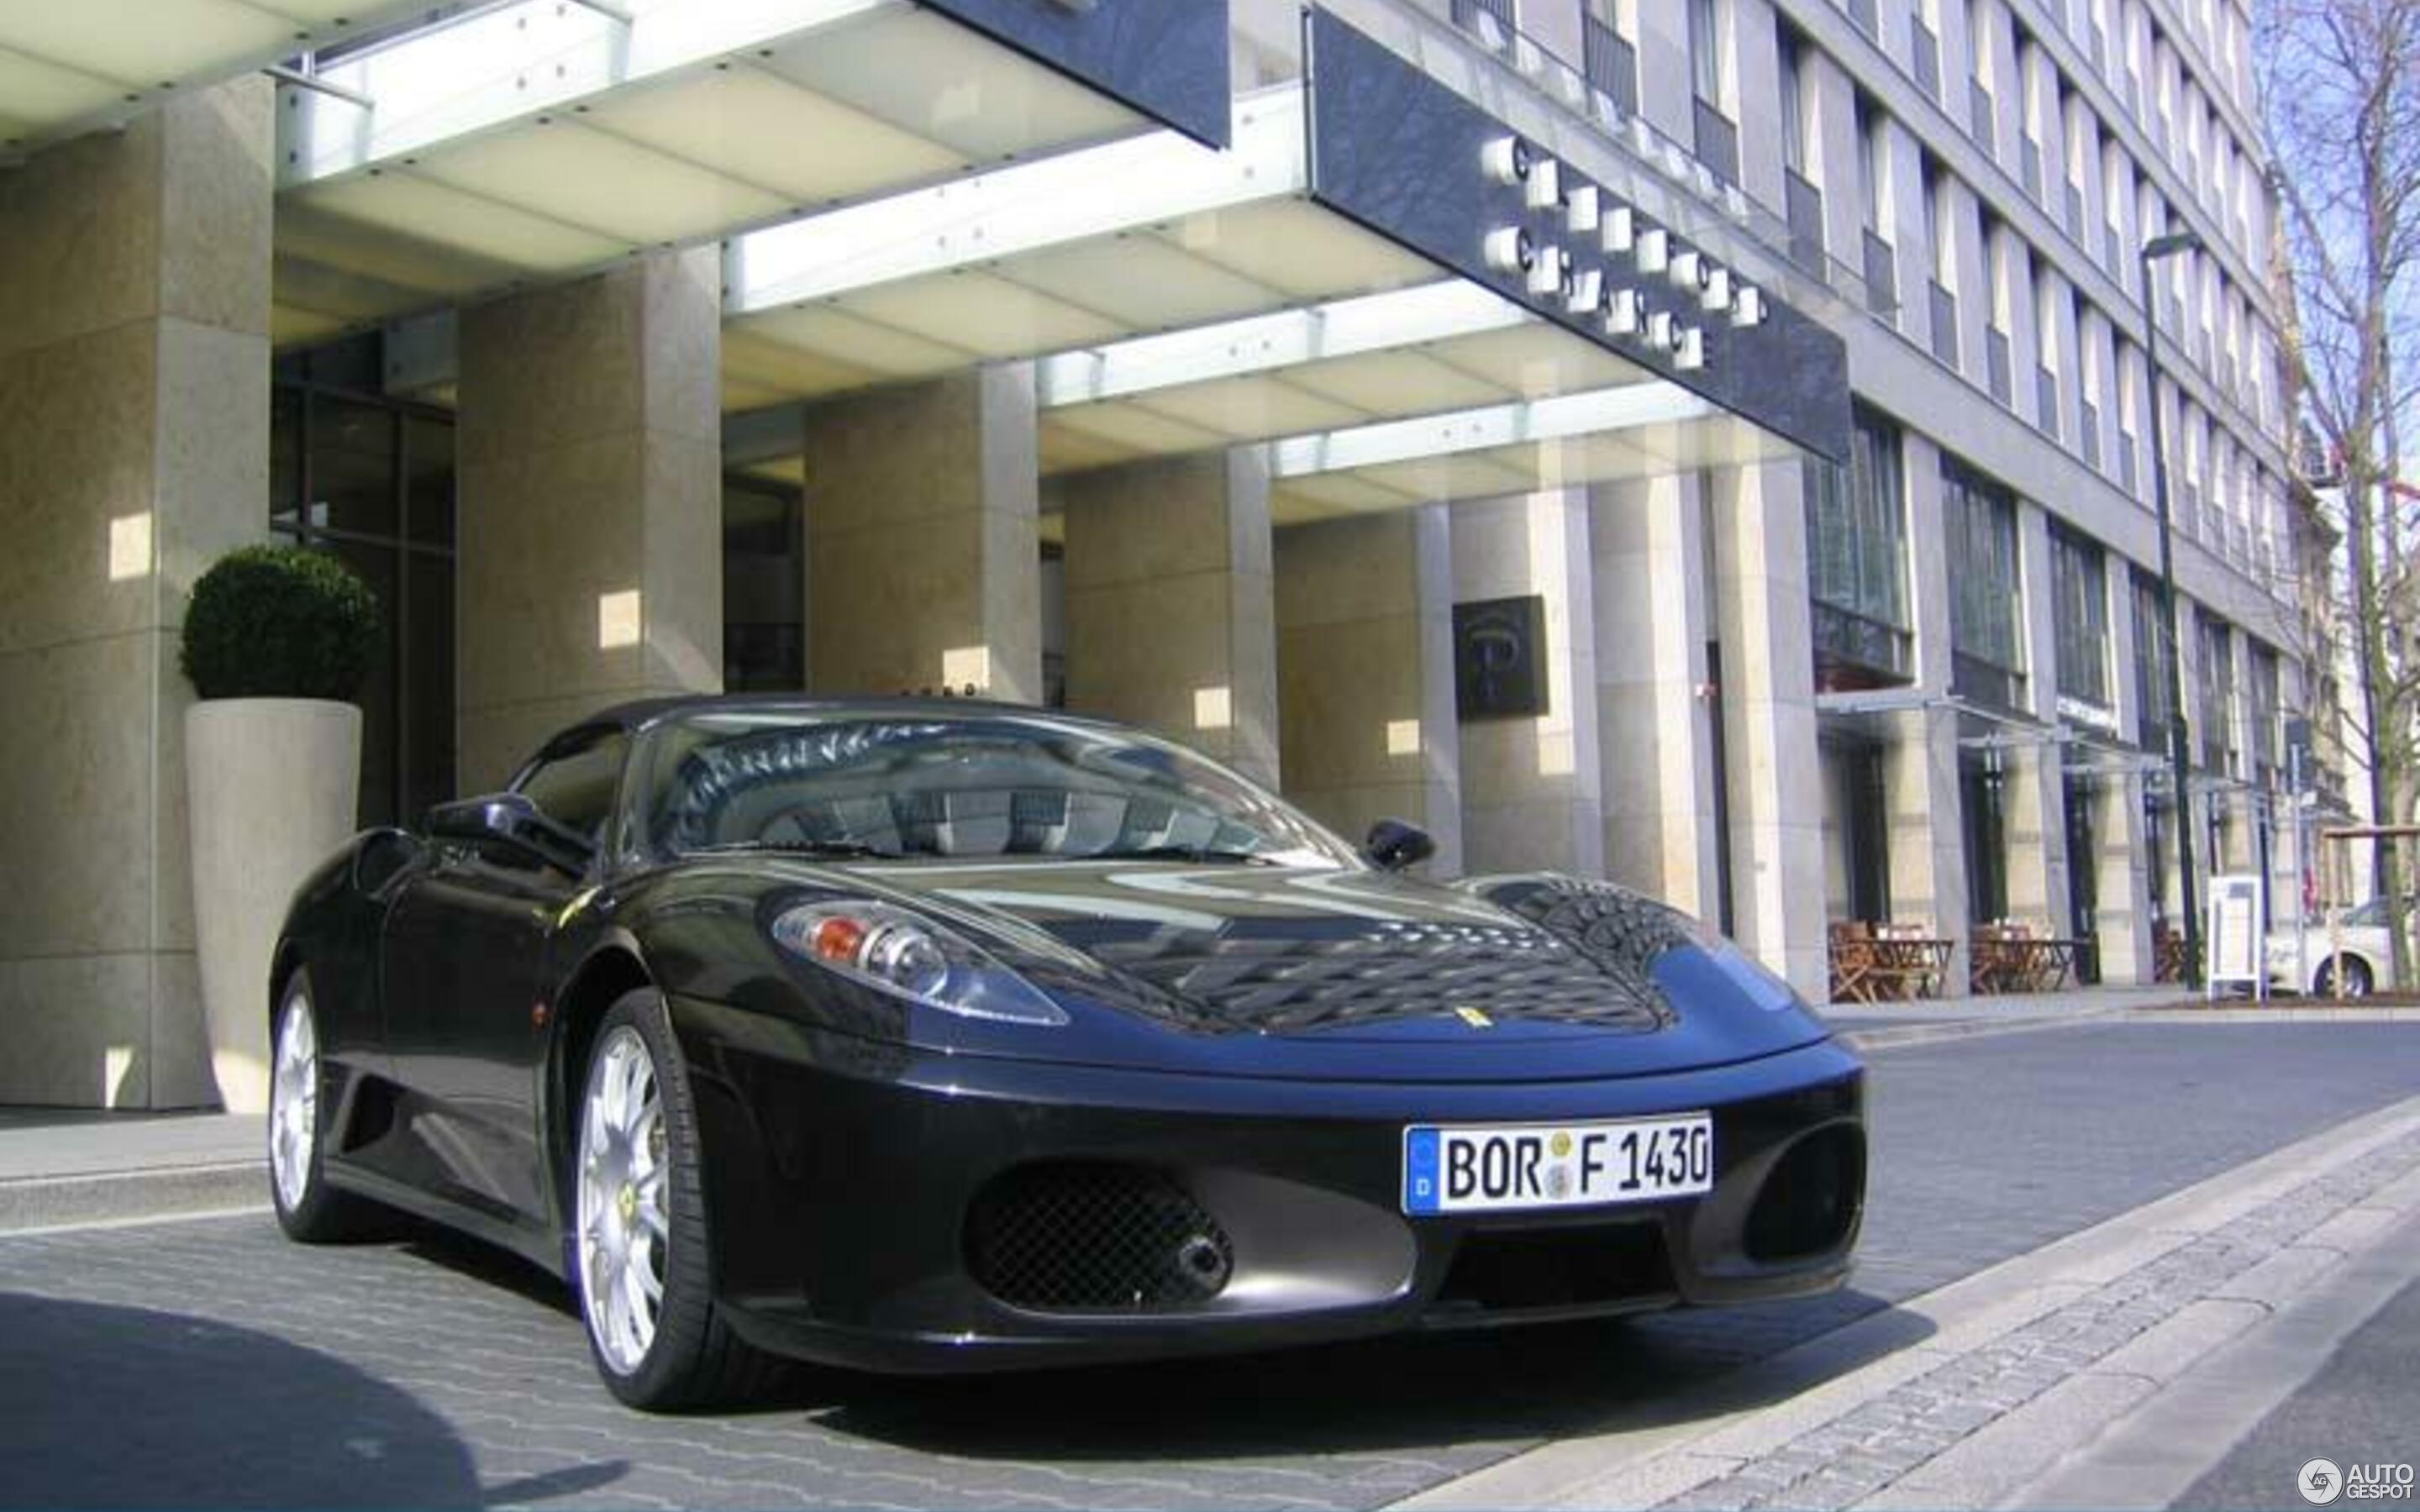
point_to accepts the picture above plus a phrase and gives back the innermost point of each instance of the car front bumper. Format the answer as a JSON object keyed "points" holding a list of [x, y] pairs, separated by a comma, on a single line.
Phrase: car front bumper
{"points": [[888, 1208]]}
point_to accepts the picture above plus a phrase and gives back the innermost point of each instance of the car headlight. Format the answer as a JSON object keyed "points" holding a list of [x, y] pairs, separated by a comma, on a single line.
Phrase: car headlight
{"points": [[893, 950]]}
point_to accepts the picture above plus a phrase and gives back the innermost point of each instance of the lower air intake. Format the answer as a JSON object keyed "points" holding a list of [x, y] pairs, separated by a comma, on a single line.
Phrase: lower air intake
{"points": [[1095, 1236], [1811, 1201]]}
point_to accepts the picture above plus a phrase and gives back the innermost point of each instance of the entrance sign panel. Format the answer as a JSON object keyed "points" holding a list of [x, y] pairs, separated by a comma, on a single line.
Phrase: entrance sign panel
{"points": [[1407, 157], [2235, 910], [1167, 58]]}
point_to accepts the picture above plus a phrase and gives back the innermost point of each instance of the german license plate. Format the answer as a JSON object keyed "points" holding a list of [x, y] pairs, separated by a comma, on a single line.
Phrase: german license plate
{"points": [[1512, 1167]]}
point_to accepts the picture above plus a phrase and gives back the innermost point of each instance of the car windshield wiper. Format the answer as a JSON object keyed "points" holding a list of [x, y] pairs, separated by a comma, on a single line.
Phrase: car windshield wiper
{"points": [[836, 849], [1205, 853]]}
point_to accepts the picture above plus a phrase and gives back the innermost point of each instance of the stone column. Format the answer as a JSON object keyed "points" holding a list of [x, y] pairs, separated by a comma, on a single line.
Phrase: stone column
{"points": [[1170, 609], [134, 275], [589, 454], [1776, 797], [1654, 735], [923, 553], [1365, 674], [1926, 807], [1531, 799]]}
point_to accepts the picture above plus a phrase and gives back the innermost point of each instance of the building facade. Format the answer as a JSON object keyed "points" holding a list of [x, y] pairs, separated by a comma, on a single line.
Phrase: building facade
{"points": [[1704, 444]]}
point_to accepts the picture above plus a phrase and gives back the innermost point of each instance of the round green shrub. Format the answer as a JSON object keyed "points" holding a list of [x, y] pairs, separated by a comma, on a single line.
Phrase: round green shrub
{"points": [[280, 622]]}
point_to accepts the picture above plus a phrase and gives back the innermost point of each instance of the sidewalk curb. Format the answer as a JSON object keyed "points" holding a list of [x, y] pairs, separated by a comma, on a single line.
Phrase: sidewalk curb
{"points": [[2152, 1456], [116, 1196], [1896, 1036], [1684, 1442]]}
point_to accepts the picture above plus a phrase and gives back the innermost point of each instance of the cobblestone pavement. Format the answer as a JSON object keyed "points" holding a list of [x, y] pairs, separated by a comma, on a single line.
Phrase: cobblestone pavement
{"points": [[211, 1363], [1892, 1439]]}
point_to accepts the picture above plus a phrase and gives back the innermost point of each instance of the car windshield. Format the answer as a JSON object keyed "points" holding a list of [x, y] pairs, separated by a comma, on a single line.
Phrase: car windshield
{"points": [[982, 785]]}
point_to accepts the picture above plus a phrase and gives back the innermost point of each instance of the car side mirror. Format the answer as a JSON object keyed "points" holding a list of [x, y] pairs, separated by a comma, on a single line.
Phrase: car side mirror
{"points": [[1396, 843], [511, 820]]}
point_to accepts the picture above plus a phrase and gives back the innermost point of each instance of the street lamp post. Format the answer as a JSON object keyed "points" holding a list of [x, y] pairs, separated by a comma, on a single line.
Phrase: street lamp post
{"points": [[2180, 765]]}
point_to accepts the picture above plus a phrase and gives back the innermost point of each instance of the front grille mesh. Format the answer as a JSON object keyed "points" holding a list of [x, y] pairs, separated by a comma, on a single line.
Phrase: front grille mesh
{"points": [[1396, 971], [1090, 1236]]}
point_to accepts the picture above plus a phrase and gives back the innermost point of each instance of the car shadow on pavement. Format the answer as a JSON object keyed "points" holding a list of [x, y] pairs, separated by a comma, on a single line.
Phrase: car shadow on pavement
{"points": [[103, 1406], [1509, 1386]]}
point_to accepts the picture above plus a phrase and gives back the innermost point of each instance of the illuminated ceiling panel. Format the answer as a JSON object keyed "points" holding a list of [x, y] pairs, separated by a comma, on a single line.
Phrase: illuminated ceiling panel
{"points": [[628, 193], [1252, 409], [936, 79], [989, 315], [538, 139], [759, 128], [73, 66]]}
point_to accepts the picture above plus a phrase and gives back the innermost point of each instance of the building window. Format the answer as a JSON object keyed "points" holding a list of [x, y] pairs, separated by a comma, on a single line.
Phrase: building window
{"points": [[764, 586], [368, 478], [1794, 102], [1705, 50], [1856, 542], [2080, 595], [2217, 647], [2153, 643], [1986, 590], [2262, 736]]}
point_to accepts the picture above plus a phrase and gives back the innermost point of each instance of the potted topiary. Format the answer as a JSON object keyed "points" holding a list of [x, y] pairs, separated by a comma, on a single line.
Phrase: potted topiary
{"points": [[277, 640]]}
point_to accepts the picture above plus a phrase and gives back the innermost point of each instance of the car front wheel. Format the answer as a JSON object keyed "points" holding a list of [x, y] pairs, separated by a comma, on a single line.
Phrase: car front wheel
{"points": [[642, 1244], [298, 1185]]}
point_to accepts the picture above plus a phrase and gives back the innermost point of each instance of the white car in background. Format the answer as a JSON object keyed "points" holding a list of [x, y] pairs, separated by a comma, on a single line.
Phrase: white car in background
{"points": [[2361, 936]]}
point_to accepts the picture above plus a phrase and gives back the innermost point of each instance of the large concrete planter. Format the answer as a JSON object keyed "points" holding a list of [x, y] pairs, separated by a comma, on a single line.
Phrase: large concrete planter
{"points": [[271, 786]]}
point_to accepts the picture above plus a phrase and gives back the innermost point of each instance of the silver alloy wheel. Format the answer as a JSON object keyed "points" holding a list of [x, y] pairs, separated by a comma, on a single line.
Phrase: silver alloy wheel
{"points": [[624, 1238], [294, 1101]]}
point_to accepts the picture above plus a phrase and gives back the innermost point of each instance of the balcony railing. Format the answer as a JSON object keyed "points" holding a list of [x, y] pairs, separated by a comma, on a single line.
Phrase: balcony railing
{"points": [[1996, 364], [1610, 63], [1945, 322], [1846, 637]]}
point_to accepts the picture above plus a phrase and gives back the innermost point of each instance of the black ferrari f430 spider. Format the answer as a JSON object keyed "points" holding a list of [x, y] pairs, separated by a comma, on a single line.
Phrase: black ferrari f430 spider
{"points": [[940, 1036]]}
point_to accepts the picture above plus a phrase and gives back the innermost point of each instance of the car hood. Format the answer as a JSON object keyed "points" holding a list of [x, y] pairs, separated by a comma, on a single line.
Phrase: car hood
{"points": [[1365, 971]]}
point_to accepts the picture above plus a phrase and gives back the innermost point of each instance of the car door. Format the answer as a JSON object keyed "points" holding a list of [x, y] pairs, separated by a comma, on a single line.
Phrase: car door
{"points": [[466, 963]]}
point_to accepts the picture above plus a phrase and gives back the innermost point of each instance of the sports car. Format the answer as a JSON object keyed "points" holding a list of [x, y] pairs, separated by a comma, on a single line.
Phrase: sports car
{"points": [[936, 1035]]}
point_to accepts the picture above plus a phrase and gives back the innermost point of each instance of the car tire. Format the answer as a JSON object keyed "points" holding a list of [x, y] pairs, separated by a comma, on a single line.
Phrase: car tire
{"points": [[640, 1225], [2357, 981], [299, 1115]]}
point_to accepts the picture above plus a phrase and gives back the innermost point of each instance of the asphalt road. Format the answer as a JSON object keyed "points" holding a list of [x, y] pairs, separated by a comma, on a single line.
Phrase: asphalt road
{"points": [[2362, 1409], [209, 1362]]}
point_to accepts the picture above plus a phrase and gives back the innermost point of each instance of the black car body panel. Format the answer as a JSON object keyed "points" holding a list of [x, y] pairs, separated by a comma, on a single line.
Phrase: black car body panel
{"points": [[1208, 1153]]}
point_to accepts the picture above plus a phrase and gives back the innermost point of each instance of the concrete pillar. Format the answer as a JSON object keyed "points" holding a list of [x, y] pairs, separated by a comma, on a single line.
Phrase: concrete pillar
{"points": [[1776, 798], [924, 554], [1531, 799], [1926, 818], [1365, 674], [2123, 913], [1171, 608], [1654, 734], [1920, 789], [135, 275], [588, 446]]}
